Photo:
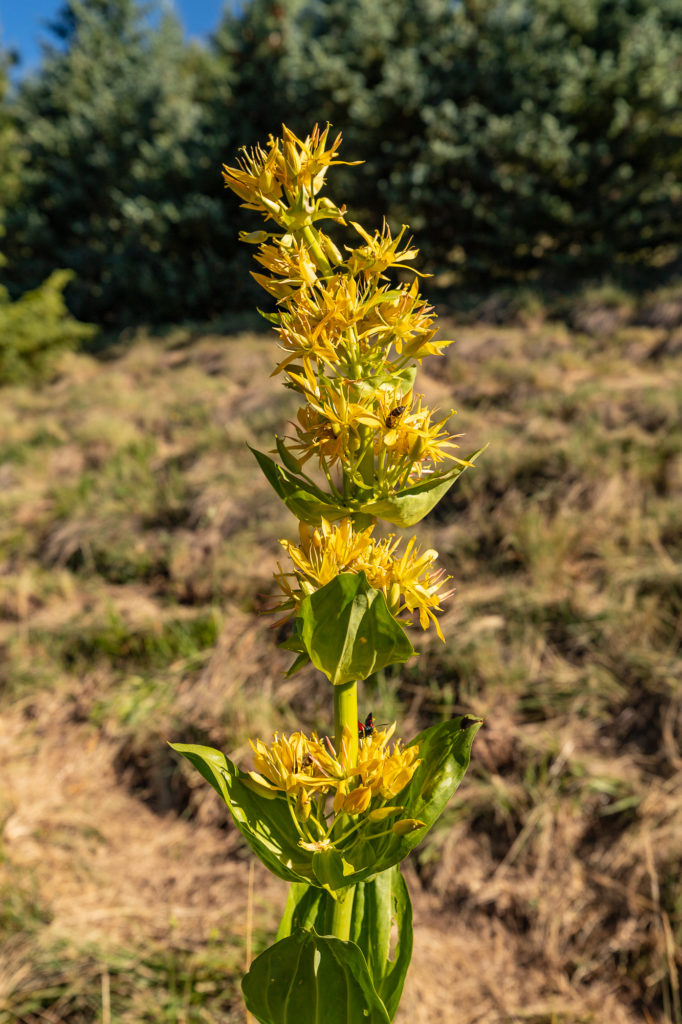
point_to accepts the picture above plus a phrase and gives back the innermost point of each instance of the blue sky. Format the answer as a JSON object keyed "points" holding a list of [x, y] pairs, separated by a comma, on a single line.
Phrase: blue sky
{"points": [[22, 23]]}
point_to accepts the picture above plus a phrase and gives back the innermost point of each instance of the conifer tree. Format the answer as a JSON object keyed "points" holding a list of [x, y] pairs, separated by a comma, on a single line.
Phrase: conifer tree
{"points": [[10, 151], [112, 187], [511, 135]]}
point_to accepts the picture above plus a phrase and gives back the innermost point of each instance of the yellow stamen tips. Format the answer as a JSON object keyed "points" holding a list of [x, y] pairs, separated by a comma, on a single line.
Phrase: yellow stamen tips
{"points": [[407, 582], [307, 771]]}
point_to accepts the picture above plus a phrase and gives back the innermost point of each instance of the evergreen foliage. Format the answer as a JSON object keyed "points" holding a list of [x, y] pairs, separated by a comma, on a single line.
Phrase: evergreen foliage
{"points": [[114, 187], [516, 137], [35, 329], [510, 134], [10, 148]]}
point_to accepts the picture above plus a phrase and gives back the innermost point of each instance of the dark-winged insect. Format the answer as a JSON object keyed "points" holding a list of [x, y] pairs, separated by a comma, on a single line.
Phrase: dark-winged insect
{"points": [[394, 415], [366, 728], [306, 761]]}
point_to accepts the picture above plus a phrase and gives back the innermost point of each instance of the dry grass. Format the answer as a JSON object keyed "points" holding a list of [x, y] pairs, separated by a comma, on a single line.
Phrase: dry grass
{"points": [[136, 543]]}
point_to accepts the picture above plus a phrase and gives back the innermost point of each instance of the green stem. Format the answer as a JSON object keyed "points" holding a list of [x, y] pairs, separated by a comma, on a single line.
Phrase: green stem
{"points": [[313, 242], [346, 714], [342, 913], [362, 520], [345, 718]]}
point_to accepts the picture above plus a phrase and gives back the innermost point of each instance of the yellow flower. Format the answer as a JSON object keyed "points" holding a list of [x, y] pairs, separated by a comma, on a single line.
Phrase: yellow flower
{"points": [[256, 175], [329, 426], [409, 439], [328, 550], [355, 802], [380, 252], [404, 320], [308, 160], [263, 176], [417, 587], [386, 772], [314, 323], [295, 764], [307, 770], [292, 262]]}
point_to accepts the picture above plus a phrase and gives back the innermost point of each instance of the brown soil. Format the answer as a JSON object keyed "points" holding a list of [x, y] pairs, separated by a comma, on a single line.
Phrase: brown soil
{"points": [[545, 901], [113, 872]]}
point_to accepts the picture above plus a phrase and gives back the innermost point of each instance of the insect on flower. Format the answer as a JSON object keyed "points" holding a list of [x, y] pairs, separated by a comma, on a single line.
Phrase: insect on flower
{"points": [[394, 416], [366, 728]]}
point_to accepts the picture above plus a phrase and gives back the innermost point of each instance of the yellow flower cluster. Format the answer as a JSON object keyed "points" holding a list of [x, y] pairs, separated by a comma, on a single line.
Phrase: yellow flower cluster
{"points": [[344, 330], [307, 770], [351, 340], [401, 437], [283, 171], [330, 549]]}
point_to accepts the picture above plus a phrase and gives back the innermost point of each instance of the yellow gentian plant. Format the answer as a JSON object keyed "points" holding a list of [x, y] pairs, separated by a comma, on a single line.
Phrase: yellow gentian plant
{"points": [[336, 816]]}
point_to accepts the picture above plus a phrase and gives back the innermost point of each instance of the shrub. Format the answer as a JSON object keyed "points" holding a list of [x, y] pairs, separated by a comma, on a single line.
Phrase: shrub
{"points": [[35, 329]]}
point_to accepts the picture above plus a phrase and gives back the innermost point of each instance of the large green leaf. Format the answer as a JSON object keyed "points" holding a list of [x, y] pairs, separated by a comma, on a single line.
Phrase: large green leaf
{"points": [[408, 506], [378, 905], [265, 823], [302, 497], [444, 752], [310, 503], [264, 817], [307, 978], [348, 631]]}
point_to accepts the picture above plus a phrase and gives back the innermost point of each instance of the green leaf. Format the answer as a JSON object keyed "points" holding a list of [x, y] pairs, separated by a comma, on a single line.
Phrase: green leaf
{"points": [[444, 752], [295, 643], [307, 978], [302, 497], [378, 906], [310, 503], [298, 663], [266, 824], [407, 507], [287, 458], [348, 630], [306, 907], [332, 871]]}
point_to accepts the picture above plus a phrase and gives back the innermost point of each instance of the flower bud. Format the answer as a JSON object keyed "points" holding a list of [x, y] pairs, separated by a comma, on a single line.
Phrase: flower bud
{"points": [[381, 813], [302, 806], [357, 801], [407, 825], [393, 597], [253, 237], [331, 250], [418, 449], [292, 157]]}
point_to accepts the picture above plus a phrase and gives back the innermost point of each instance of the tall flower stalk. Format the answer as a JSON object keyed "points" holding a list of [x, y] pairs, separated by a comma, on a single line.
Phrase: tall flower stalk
{"points": [[334, 816]]}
